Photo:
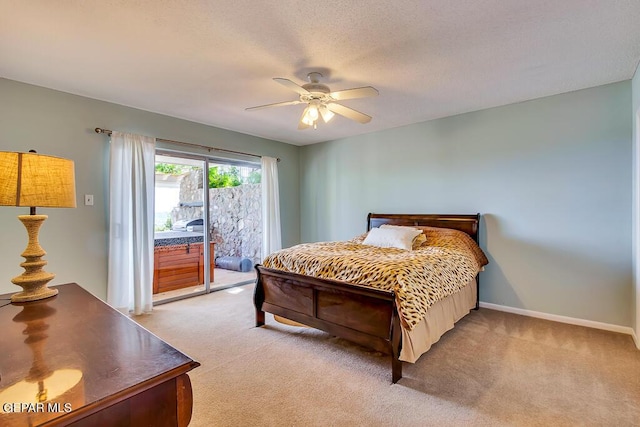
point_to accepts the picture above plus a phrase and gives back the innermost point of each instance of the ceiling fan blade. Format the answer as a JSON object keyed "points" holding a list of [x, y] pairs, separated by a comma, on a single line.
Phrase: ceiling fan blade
{"points": [[276, 104], [358, 92], [302, 125], [293, 86], [349, 113]]}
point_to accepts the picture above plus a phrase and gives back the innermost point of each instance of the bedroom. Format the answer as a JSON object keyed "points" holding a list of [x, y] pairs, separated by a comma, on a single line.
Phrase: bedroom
{"points": [[553, 178]]}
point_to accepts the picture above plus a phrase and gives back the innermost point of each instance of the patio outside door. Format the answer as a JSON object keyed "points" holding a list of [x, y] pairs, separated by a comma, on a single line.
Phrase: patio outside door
{"points": [[181, 244], [214, 216]]}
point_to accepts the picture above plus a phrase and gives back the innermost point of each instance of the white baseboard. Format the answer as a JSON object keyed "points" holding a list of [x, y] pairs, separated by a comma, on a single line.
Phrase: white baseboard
{"points": [[564, 319]]}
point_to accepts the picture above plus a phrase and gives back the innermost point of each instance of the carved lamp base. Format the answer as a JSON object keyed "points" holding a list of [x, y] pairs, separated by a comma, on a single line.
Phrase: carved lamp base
{"points": [[34, 279]]}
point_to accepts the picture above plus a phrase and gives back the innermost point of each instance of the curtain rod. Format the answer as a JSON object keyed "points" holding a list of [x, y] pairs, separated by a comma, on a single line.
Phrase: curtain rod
{"points": [[188, 144]]}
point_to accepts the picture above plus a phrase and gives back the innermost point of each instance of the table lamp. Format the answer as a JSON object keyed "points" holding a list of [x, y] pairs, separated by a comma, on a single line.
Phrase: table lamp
{"points": [[35, 180]]}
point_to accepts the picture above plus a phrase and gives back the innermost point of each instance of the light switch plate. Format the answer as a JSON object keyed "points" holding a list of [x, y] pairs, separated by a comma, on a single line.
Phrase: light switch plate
{"points": [[88, 199]]}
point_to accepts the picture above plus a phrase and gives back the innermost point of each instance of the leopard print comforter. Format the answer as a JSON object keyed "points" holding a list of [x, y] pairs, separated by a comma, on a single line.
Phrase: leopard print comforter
{"points": [[445, 263]]}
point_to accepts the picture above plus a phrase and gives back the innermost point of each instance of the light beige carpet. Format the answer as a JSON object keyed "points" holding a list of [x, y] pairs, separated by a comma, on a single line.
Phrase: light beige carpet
{"points": [[493, 369]]}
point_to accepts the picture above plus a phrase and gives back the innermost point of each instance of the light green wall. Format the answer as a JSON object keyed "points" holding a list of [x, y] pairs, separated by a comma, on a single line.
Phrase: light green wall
{"points": [[552, 178], [635, 116], [61, 124]]}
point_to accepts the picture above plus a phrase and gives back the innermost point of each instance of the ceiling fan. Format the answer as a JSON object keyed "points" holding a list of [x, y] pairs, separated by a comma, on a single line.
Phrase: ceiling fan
{"points": [[321, 102]]}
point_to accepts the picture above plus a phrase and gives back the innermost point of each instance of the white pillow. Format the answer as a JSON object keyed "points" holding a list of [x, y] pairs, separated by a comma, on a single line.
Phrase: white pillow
{"points": [[391, 237], [417, 241], [402, 227]]}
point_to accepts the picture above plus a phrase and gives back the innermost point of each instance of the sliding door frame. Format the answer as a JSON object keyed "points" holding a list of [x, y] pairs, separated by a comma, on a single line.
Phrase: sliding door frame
{"points": [[207, 159], [205, 219]]}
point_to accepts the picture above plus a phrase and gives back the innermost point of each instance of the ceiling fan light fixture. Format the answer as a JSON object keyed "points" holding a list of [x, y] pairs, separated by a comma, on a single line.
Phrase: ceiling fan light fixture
{"points": [[307, 121], [306, 116], [326, 114], [313, 112]]}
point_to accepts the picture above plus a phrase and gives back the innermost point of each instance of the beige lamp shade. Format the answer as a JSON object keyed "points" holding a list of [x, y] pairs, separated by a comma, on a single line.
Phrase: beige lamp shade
{"points": [[35, 180], [31, 179]]}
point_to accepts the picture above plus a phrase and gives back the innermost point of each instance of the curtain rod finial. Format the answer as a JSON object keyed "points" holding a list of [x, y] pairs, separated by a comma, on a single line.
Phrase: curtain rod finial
{"points": [[104, 131]]}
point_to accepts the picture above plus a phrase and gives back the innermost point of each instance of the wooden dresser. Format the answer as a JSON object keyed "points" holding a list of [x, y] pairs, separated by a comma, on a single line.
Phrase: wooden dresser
{"points": [[73, 360]]}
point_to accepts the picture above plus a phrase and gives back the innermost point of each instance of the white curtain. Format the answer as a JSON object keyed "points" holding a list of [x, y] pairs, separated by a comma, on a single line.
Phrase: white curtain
{"points": [[131, 191], [271, 238]]}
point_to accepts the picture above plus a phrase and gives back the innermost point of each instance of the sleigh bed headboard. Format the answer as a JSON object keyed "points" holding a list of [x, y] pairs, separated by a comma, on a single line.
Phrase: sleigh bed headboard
{"points": [[469, 223]]}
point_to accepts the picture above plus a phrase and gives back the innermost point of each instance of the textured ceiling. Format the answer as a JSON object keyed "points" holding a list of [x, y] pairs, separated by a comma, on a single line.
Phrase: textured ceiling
{"points": [[206, 61]]}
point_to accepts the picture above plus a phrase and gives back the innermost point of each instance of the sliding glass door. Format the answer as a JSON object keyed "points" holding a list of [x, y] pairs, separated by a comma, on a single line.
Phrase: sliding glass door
{"points": [[235, 206], [208, 227], [181, 244]]}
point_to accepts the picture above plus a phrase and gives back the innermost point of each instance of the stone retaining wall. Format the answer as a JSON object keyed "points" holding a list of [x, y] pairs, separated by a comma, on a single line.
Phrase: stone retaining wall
{"points": [[235, 216], [236, 221]]}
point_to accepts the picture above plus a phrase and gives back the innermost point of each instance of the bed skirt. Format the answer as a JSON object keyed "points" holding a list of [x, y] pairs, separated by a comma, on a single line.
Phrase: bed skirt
{"points": [[440, 318]]}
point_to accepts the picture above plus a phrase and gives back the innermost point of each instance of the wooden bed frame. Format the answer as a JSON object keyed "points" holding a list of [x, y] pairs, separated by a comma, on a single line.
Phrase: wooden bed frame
{"points": [[357, 313]]}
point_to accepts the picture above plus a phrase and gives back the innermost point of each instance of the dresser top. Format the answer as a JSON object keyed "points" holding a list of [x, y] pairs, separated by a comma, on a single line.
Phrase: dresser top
{"points": [[75, 350]]}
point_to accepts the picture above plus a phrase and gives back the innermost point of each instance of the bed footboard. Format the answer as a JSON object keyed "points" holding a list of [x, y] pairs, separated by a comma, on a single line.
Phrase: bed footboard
{"points": [[359, 314]]}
